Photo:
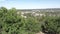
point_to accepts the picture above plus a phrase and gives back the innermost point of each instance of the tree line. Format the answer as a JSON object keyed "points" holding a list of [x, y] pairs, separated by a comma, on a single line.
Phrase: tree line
{"points": [[13, 23]]}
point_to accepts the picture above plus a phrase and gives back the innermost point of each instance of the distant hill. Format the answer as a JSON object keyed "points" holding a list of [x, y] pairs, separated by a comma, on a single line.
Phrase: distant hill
{"points": [[43, 10]]}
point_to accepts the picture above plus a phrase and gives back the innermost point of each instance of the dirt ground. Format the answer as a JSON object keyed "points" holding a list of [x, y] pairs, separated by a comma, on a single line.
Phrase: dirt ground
{"points": [[40, 33]]}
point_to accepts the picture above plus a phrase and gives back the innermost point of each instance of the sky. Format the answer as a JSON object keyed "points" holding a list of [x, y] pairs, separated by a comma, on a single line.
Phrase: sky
{"points": [[30, 4]]}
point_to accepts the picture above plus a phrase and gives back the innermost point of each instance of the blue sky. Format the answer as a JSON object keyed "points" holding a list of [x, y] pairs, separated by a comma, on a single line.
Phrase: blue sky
{"points": [[30, 4]]}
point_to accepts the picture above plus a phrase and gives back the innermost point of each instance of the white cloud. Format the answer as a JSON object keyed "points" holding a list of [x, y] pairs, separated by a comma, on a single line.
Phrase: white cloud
{"points": [[2, 0]]}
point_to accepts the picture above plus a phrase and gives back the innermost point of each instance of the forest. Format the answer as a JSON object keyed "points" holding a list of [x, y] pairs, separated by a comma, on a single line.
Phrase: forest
{"points": [[13, 23]]}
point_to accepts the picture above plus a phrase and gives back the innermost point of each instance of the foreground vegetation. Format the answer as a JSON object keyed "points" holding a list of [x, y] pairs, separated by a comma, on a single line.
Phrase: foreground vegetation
{"points": [[13, 23]]}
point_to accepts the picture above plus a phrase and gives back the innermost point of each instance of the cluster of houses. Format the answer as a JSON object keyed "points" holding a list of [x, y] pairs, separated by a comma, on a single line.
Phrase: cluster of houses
{"points": [[33, 13], [37, 12]]}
